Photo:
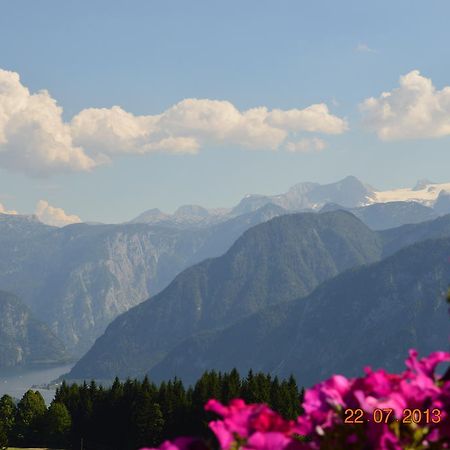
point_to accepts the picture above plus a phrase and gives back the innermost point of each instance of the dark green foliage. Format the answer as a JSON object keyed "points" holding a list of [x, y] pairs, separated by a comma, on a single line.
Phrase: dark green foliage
{"points": [[29, 419], [135, 414], [3, 437], [57, 423], [147, 421], [7, 413], [7, 417]]}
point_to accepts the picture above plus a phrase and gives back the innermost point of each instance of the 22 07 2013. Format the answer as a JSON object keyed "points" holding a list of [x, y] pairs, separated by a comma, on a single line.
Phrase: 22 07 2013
{"points": [[386, 415]]}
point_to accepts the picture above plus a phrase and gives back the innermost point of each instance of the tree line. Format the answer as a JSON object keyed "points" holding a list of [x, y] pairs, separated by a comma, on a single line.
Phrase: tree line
{"points": [[135, 413]]}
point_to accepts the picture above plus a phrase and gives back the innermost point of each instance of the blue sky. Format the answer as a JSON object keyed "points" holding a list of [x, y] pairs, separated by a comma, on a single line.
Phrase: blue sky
{"points": [[147, 56]]}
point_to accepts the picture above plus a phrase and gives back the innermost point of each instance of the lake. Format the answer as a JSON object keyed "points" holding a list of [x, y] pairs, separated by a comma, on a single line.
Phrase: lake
{"points": [[17, 382]]}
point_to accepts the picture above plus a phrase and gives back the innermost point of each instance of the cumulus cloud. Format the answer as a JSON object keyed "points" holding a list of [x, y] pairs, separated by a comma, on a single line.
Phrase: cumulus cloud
{"points": [[34, 138], [414, 110], [193, 124], [218, 122], [314, 118], [54, 216], [306, 145], [3, 210]]}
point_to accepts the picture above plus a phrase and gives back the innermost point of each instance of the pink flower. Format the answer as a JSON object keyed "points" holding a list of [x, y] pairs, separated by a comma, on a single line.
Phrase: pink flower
{"points": [[381, 437], [426, 366], [369, 403], [249, 422], [322, 402], [256, 427], [182, 443], [272, 441]]}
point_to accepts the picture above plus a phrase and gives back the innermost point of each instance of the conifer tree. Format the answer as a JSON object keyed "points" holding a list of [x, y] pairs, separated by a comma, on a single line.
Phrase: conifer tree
{"points": [[57, 423], [7, 414], [29, 419], [148, 422], [3, 436]]}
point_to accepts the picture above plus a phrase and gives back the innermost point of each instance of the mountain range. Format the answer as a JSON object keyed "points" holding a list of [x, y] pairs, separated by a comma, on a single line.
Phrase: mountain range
{"points": [[370, 316], [271, 263], [270, 268], [79, 278], [348, 193]]}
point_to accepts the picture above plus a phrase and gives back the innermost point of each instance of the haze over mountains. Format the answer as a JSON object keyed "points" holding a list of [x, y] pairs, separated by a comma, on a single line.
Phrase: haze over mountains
{"points": [[349, 193], [176, 332], [271, 263], [80, 277], [77, 279], [24, 340], [369, 316]]}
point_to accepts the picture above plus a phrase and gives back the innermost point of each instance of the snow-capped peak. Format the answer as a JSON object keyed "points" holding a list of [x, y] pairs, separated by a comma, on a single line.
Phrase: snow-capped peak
{"points": [[425, 193]]}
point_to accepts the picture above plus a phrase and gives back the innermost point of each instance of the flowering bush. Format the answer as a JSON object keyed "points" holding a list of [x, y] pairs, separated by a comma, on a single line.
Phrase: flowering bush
{"points": [[377, 411]]}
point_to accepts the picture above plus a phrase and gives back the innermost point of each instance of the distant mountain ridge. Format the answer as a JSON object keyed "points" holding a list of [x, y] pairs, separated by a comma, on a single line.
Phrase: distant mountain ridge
{"points": [[349, 193], [286, 257], [382, 216], [78, 278], [24, 340]]}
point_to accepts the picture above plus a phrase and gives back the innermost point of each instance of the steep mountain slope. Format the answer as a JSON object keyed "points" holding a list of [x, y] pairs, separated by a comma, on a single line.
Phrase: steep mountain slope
{"points": [[366, 316], [382, 216], [184, 216], [25, 341], [276, 261], [77, 279], [16, 226], [396, 238], [442, 204]]}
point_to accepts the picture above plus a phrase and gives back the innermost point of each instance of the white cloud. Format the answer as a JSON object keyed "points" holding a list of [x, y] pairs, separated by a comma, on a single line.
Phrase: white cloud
{"points": [[364, 48], [3, 210], [193, 124], [306, 145], [218, 122], [34, 138], [414, 110], [54, 216], [314, 118]]}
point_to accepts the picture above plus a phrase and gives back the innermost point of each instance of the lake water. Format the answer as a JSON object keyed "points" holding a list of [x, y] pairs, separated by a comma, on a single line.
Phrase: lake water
{"points": [[17, 382]]}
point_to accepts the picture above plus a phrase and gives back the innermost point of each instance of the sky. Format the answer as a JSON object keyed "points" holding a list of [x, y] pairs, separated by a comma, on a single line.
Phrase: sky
{"points": [[110, 108]]}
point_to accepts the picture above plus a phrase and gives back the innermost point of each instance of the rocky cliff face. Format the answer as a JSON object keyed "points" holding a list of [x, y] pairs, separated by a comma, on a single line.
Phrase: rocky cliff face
{"points": [[77, 279], [25, 341], [179, 331], [271, 263]]}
